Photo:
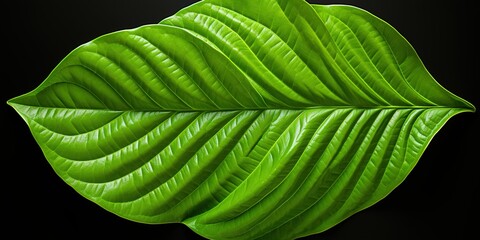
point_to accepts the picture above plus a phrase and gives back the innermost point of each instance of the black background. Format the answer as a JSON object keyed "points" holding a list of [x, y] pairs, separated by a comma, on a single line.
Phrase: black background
{"points": [[439, 199]]}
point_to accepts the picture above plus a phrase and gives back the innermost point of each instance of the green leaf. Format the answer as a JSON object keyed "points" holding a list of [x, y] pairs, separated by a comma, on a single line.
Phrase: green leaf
{"points": [[270, 119]]}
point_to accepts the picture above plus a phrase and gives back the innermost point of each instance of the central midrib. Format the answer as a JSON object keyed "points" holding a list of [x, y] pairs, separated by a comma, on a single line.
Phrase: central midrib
{"points": [[15, 105]]}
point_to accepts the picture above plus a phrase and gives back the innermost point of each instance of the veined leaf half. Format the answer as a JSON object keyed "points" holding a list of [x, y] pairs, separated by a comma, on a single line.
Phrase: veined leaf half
{"points": [[250, 119]]}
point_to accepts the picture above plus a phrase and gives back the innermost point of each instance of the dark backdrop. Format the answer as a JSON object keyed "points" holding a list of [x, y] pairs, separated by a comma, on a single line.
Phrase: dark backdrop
{"points": [[438, 199]]}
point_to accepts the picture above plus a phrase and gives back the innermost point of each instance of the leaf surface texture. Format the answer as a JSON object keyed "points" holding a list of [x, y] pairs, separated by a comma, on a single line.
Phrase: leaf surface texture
{"points": [[265, 119]]}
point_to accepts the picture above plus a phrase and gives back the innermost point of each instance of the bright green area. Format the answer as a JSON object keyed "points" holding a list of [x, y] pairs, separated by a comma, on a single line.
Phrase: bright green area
{"points": [[246, 119]]}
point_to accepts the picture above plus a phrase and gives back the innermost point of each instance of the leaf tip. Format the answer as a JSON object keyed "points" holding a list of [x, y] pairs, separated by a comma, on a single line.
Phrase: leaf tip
{"points": [[11, 102], [18, 107], [469, 107]]}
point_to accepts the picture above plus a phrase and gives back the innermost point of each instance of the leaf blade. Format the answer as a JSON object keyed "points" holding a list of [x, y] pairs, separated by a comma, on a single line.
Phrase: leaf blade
{"points": [[187, 139]]}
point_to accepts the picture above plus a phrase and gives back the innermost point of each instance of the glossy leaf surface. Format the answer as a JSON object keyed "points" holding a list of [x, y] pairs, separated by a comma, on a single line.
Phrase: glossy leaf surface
{"points": [[247, 119]]}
